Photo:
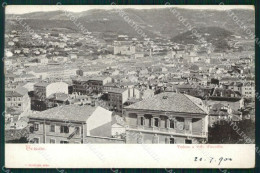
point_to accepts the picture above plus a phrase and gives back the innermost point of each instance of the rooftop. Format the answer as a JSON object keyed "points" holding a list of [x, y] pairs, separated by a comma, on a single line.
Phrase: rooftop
{"points": [[59, 96], [12, 94], [172, 102], [43, 84], [67, 113], [116, 90], [89, 78]]}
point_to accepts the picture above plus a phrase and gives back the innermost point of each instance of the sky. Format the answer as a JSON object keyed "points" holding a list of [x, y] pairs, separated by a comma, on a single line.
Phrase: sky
{"points": [[21, 9]]}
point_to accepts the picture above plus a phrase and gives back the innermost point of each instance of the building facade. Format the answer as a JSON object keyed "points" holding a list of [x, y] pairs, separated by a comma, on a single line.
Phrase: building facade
{"points": [[86, 85], [118, 96], [18, 100], [70, 124], [167, 118], [248, 90]]}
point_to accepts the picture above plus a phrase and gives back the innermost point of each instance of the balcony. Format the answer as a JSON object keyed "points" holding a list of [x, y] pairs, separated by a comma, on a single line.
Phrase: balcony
{"points": [[169, 131]]}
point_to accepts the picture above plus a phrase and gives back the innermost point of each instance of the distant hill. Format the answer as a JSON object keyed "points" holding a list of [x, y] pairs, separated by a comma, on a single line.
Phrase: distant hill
{"points": [[215, 35], [154, 22]]}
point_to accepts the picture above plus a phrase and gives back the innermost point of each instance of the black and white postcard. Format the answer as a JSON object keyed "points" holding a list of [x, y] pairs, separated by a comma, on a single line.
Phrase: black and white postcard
{"points": [[113, 86]]}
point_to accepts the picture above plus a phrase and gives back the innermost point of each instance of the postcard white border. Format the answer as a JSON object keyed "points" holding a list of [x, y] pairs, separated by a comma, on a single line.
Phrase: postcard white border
{"points": [[128, 155]]}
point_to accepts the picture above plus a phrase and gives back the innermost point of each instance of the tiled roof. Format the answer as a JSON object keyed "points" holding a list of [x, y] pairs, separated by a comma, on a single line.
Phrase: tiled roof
{"points": [[116, 90], [172, 102], [88, 78], [21, 90], [12, 94], [43, 84], [66, 113]]}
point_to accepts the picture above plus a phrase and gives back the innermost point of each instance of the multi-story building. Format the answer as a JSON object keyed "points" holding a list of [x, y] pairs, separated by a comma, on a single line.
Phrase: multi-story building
{"points": [[167, 118], [70, 124], [18, 99], [248, 90], [54, 73], [85, 85], [219, 112], [124, 48], [43, 90], [118, 96]]}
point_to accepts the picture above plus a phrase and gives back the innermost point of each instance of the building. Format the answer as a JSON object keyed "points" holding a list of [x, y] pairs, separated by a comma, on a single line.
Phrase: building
{"points": [[225, 93], [235, 86], [57, 99], [219, 112], [54, 72], [248, 90], [71, 124], [169, 118], [18, 99], [117, 127], [86, 85], [118, 96], [44, 90], [124, 48]]}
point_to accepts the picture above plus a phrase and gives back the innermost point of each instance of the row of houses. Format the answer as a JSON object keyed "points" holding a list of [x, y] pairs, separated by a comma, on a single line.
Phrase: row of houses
{"points": [[164, 118]]}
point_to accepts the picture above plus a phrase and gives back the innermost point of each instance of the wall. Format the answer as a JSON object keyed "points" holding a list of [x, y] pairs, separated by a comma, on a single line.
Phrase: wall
{"points": [[55, 135], [117, 129], [149, 138], [131, 119], [100, 117], [103, 130], [124, 96], [57, 87], [197, 125]]}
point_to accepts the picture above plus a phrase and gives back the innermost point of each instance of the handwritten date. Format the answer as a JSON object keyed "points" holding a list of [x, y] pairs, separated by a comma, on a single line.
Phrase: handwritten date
{"points": [[212, 159]]}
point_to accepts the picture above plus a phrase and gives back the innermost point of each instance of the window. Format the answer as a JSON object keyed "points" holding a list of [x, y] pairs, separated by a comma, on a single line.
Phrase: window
{"points": [[188, 141], [77, 129], [52, 141], [171, 140], [180, 123], [142, 121], [36, 140], [8, 99], [64, 142], [64, 129], [172, 124], [19, 104], [52, 128], [36, 127], [156, 122]]}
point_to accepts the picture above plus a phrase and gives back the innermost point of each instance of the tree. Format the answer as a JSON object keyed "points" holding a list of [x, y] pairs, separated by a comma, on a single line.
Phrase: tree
{"points": [[225, 132]]}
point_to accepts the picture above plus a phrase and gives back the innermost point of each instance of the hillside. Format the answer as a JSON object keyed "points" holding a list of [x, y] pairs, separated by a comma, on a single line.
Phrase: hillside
{"points": [[217, 25], [215, 35]]}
